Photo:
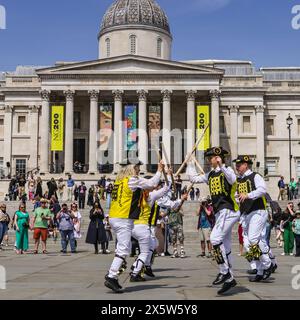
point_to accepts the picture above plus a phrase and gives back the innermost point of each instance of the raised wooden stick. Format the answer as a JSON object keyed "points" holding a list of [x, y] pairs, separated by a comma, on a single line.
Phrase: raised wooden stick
{"points": [[189, 155], [168, 163], [188, 192], [199, 166], [159, 159]]}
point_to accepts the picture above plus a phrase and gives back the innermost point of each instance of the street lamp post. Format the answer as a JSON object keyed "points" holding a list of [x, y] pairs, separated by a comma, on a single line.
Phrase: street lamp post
{"points": [[289, 122]]}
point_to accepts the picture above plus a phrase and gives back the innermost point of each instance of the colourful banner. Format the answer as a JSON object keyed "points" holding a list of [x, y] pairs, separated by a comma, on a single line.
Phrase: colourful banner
{"points": [[154, 121], [203, 119], [131, 127], [106, 125], [57, 128]]}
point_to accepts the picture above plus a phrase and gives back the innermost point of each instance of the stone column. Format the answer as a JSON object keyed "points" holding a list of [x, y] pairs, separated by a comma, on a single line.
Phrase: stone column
{"points": [[166, 132], [234, 130], [8, 136], [215, 117], [34, 133], [260, 134], [191, 119], [93, 160], [44, 132], [118, 132], [143, 136], [69, 131]]}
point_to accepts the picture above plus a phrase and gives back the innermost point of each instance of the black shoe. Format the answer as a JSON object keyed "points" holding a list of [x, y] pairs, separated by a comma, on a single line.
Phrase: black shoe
{"points": [[221, 278], [268, 272], [227, 286], [137, 278], [113, 284], [254, 271], [257, 278], [149, 272], [274, 268], [107, 278], [167, 254]]}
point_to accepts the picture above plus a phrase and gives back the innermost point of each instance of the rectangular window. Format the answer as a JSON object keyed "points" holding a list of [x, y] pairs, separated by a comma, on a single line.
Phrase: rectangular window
{"points": [[20, 166], [271, 165], [246, 124], [270, 127], [1, 128], [298, 127], [77, 120], [222, 125], [2, 174], [22, 125]]}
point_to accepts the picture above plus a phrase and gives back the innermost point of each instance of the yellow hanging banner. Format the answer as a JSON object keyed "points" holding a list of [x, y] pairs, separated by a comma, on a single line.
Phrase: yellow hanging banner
{"points": [[203, 119], [57, 128]]}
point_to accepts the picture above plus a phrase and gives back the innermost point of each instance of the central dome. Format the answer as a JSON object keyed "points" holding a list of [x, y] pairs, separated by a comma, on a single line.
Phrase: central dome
{"points": [[145, 13]]}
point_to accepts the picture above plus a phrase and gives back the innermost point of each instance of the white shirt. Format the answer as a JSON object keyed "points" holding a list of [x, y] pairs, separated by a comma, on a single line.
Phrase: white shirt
{"points": [[135, 183], [260, 184], [163, 198], [196, 178]]}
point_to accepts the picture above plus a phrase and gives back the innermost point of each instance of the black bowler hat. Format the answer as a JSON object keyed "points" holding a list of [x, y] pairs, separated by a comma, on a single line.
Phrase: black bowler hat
{"points": [[216, 151], [126, 162], [243, 159]]}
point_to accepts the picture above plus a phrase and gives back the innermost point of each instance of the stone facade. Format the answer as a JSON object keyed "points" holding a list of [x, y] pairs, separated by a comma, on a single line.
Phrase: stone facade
{"points": [[248, 107]]}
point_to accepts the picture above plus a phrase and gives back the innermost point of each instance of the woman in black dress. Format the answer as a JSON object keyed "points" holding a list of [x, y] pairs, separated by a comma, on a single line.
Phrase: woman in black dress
{"points": [[96, 232]]}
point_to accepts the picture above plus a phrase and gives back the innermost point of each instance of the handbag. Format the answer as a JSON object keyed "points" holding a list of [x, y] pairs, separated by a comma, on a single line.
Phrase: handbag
{"points": [[286, 224]]}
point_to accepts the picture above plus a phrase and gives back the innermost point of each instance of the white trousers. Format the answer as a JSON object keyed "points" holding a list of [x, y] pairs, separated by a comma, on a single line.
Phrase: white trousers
{"points": [[247, 245], [141, 232], [122, 229], [153, 246], [254, 226], [221, 236]]}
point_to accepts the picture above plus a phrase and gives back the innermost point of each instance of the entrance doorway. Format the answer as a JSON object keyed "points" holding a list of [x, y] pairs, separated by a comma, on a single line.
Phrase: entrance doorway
{"points": [[79, 156]]}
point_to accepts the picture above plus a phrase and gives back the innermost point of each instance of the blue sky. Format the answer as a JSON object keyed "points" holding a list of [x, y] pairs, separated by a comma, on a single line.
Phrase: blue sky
{"points": [[41, 32]]}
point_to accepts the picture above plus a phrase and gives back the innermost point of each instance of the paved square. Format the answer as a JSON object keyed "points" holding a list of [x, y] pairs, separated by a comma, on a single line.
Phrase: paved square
{"points": [[57, 276]]}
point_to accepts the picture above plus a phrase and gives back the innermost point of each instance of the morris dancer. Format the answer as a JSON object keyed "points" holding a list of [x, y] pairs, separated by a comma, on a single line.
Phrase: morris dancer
{"points": [[222, 186], [251, 192], [125, 208]]}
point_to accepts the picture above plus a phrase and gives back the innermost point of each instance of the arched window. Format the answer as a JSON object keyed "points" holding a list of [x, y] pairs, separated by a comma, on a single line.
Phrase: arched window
{"points": [[132, 44], [159, 47], [107, 41]]}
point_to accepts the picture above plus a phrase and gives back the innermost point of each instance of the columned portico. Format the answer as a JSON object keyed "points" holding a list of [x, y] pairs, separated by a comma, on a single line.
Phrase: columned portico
{"points": [[191, 124], [166, 135], [260, 135], [143, 137], [234, 130], [44, 130], [69, 131], [118, 132], [215, 117], [93, 154]]}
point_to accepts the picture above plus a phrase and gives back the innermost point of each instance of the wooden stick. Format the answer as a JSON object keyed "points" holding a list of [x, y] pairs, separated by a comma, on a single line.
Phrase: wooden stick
{"points": [[164, 172], [199, 166], [168, 163], [189, 155], [188, 192]]}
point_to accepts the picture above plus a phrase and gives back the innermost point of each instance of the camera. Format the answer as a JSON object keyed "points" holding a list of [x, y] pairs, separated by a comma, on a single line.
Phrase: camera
{"points": [[25, 225]]}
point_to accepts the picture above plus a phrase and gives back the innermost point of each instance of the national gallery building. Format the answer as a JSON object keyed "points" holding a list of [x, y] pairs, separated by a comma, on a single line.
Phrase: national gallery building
{"points": [[54, 117]]}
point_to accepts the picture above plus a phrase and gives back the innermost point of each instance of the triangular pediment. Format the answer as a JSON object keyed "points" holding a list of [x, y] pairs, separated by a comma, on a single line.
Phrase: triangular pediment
{"points": [[127, 64]]}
